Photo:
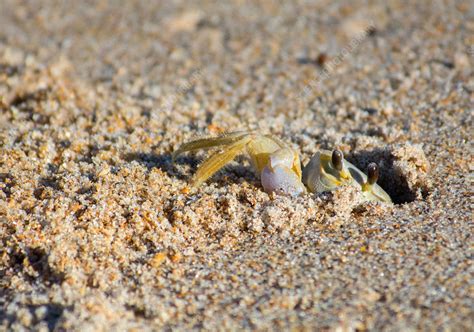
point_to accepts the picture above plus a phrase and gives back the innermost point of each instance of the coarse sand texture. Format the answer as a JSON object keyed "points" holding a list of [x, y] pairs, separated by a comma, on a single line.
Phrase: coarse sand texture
{"points": [[101, 231]]}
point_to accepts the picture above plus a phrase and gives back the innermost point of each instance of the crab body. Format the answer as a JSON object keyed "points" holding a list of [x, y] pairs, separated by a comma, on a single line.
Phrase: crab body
{"points": [[321, 175]]}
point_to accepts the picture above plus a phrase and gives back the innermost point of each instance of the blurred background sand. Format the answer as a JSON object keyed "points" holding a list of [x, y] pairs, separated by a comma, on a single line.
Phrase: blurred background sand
{"points": [[98, 230]]}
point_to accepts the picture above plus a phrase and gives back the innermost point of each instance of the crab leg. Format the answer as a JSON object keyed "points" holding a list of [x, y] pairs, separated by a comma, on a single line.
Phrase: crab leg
{"points": [[208, 143], [219, 160]]}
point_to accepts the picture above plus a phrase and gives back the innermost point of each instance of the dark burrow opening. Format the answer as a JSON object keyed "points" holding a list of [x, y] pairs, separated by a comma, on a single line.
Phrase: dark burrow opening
{"points": [[403, 176]]}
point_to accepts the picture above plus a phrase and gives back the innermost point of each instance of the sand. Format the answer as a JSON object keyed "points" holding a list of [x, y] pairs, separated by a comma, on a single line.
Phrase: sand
{"points": [[100, 231]]}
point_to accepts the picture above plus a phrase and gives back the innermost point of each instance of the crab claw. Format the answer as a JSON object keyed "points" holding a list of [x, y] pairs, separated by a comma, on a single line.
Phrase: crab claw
{"points": [[281, 180], [280, 176]]}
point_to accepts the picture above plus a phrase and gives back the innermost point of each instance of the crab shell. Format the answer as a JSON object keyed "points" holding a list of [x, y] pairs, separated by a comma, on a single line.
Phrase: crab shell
{"points": [[319, 175]]}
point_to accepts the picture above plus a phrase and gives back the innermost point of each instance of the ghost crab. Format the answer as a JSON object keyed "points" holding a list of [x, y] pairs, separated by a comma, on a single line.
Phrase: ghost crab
{"points": [[279, 165]]}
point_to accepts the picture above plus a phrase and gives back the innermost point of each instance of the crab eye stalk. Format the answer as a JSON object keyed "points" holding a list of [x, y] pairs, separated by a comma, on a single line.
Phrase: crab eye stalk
{"points": [[372, 173], [336, 159]]}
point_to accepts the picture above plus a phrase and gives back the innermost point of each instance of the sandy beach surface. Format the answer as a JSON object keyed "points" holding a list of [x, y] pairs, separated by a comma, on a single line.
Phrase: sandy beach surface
{"points": [[100, 231]]}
